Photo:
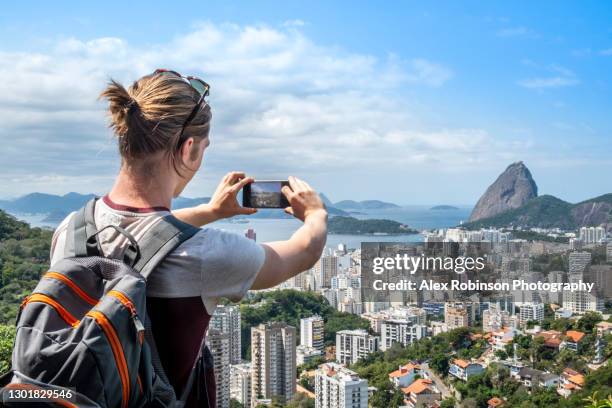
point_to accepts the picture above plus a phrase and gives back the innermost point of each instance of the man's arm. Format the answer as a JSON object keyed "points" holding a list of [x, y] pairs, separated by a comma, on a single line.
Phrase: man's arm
{"points": [[223, 203], [285, 259]]}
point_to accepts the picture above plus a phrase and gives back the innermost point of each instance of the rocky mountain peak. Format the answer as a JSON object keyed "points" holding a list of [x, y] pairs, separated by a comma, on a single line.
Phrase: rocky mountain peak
{"points": [[512, 189]]}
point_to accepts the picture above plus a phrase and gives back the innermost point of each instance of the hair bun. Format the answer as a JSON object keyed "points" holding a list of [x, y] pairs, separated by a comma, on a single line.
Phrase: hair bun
{"points": [[132, 106]]}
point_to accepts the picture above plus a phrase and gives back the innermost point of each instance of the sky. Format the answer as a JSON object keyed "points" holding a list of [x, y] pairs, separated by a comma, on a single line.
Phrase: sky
{"points": [[409, 102]]}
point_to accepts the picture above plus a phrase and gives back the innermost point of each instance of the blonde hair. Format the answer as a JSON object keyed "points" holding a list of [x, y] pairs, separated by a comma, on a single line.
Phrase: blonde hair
{"points": [[148, 117]]}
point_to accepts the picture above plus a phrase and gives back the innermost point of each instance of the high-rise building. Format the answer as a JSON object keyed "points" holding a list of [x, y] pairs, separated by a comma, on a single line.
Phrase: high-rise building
{"points": [[219, 345], [493, 319], [609, 252], [240, 383], [312, 332], [250, 234], [352, 345], [580, 302], [592, 235], [578, 261], [339, 387], [400, 331], [326, 268], [458, 314], [531, 312], [273, 361], [303, 281], [226, 319]]}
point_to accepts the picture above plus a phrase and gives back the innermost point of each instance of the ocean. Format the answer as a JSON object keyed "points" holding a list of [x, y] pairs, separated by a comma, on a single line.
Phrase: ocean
{"points": [[417, 217]]}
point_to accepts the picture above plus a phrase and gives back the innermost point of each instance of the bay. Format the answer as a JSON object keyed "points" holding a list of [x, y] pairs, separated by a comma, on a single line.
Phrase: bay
{"points": [[271, 229]]}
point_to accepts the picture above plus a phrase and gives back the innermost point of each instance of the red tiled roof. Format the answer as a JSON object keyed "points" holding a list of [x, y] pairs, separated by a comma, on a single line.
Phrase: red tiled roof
{"points": [[403, 370], [495, 402], [417, 387], [461, 363], [574, 335]]}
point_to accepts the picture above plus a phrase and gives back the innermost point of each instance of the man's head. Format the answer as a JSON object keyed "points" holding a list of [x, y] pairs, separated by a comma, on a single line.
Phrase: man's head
{"points": [[162, 124]]}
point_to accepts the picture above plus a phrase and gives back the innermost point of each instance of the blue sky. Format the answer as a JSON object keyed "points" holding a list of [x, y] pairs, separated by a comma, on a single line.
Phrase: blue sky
{"points": [[411, 102]]}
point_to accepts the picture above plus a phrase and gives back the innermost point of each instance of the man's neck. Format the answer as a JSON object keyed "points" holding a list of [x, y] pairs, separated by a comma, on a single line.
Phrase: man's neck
{"points": [[142, 191]]}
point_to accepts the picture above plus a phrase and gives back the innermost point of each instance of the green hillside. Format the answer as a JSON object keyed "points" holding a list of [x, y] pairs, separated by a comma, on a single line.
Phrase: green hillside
{"points": [[24, 256], [290, 306], [350, 225], [551, 212]]}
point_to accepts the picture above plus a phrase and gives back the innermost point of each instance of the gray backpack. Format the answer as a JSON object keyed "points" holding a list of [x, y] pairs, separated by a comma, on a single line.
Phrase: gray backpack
{"points": [[83, 335]]}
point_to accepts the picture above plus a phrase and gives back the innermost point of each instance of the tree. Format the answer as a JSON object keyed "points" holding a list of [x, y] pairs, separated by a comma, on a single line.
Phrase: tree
{"points": [[235, 404], [501, 354], [439, 363], [448, 403], [588, 321], [301, 401], [7, 338]]}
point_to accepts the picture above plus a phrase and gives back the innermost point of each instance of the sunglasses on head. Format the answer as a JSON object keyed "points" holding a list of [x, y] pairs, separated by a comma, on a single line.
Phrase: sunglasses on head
{"points": [[201, 88]]}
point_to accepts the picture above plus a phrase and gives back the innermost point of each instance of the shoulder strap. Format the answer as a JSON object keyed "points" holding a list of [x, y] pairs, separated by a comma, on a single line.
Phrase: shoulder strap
{"points": [[167, 234], [82, 236], [80, 228]]}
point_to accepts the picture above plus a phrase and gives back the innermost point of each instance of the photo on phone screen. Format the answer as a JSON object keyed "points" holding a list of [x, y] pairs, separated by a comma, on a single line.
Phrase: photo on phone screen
{"points": [[265, 194]]}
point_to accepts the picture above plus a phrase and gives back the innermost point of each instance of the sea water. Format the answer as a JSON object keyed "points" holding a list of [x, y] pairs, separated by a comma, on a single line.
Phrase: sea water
{"points": [[271, 229]]}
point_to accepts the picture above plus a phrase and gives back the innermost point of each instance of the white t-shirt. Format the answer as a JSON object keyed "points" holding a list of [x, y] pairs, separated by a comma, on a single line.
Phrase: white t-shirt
{"points": [[212, 264]]}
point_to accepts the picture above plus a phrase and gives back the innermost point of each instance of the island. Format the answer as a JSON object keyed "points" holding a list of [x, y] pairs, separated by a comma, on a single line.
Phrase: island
{"points": [[354, 226], [443, 207], [364, 205]]}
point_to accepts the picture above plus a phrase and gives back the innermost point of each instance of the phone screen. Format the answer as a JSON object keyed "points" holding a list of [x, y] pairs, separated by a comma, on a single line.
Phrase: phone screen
{"points": [[265, 194]]}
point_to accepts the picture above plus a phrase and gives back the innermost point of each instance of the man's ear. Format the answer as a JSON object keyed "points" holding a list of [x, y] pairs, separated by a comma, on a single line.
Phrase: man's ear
{"points": [[187, 150]]}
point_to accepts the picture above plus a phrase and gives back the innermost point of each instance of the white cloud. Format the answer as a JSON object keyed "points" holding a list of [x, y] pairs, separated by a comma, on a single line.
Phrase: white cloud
{"points": [[519, 31], [561, 77], [607, 52], [549, 82], [281, 103]]}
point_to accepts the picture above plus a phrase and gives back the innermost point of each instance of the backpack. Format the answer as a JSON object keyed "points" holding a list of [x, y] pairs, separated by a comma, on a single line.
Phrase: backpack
{"points": [[83, 336]]}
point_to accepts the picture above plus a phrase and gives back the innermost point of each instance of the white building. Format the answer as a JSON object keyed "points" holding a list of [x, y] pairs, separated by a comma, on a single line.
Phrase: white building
{"points": [[226, 319], [240, 383], [312, 332], [219, 345], [580, 302], [531, 311], [273, 361], [413, 315], [339, 387], [305, 354], [494, 319], [592, 235], [352, 345], [400, 331]]}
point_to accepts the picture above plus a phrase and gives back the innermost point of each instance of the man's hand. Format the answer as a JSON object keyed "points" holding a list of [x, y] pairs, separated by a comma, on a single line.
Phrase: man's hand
{"points": [[303, 200], [224, 203]]}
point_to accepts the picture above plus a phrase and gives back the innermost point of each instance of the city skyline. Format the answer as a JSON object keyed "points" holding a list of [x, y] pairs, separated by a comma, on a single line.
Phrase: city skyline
{"points": [[416, 122]]}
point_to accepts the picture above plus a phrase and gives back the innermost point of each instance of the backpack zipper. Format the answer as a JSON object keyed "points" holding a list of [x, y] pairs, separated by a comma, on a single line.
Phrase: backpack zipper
{"points": [[63, 313], [140, 329], [63, 278], [115, 344]]}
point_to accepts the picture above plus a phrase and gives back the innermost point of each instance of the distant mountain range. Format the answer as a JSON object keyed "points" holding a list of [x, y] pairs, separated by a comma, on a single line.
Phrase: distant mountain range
{"points": [[513, 201], [364, 205], [57, 207]]}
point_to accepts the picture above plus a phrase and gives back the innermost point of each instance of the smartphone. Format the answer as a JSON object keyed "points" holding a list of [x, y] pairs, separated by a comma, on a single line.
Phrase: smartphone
{"points": [[265, 194]]}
